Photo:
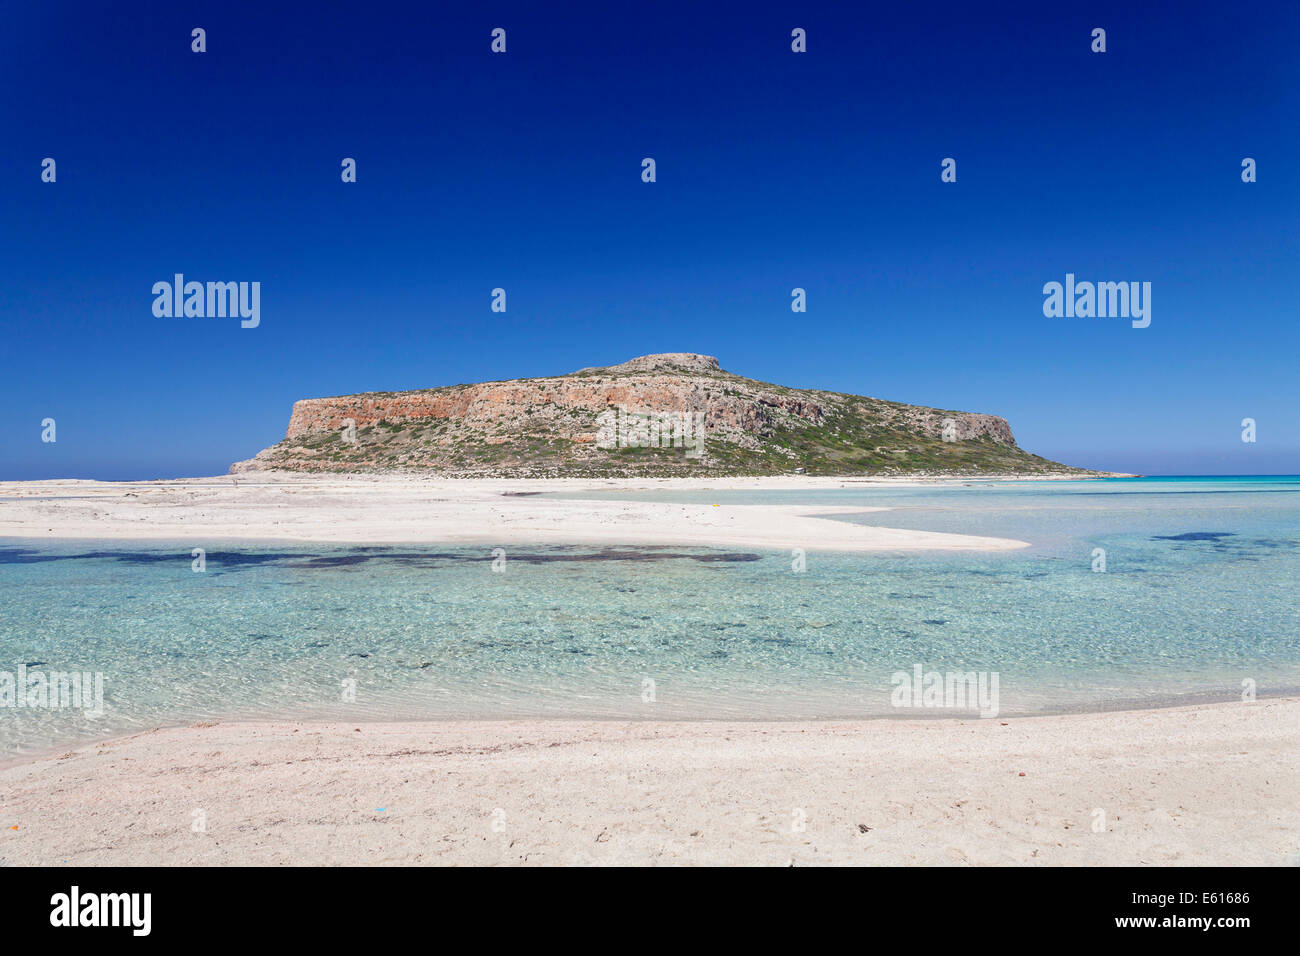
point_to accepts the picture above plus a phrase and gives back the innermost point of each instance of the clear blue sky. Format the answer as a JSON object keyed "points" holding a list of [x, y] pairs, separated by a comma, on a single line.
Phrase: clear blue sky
{"points": [[775, 170]]}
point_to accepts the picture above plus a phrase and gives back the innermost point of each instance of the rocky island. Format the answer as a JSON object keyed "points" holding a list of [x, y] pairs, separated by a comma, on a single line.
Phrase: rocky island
{"points": [[688, 417]]}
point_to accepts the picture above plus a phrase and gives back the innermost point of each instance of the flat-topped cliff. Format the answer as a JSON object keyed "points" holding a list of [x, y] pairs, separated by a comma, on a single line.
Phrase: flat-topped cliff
{"points": [[663, 414]]}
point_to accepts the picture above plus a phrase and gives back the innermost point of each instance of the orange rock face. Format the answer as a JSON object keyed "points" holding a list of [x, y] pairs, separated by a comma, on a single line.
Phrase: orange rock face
{"points": [[436, 425], [496, 403]]}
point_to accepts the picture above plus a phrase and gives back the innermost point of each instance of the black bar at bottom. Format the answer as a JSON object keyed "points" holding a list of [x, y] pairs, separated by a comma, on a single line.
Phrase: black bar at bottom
{"points": [[339, 907]]}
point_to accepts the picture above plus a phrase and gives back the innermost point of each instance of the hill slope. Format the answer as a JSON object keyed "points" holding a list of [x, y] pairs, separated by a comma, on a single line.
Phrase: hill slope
{"points": [[669, 414]]}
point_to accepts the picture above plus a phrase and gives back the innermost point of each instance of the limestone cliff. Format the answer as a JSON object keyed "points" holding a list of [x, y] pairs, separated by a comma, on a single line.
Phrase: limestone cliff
{"points": [[673, 413]]}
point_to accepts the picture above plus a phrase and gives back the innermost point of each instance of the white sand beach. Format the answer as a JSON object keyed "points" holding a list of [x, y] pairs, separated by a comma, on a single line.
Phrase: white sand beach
{"points": [[1217, 784], [1195, 785], [488, 512]]}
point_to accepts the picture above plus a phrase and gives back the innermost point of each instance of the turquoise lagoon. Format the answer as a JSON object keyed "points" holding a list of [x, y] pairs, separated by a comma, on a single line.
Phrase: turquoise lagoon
{"points": [[1198, 595]]}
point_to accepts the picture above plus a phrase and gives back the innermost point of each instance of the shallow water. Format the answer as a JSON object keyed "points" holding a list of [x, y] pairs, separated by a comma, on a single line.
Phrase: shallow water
{"points": [[1197, 596]]}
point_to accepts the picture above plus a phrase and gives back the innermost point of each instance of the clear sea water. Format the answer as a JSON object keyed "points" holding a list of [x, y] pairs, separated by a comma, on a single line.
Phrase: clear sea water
{"points": [[1199, 594]]}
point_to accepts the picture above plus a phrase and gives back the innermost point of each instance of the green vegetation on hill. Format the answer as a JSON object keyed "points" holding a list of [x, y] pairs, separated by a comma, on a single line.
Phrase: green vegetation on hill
{"points": [[548, 427]]}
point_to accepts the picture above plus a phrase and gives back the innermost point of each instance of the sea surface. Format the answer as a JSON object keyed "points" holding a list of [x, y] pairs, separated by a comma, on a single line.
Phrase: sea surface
{"points": [[1197, 601]]}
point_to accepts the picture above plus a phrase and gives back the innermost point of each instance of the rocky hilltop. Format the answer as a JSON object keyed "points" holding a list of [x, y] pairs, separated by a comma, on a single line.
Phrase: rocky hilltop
{"points": [[668, 414]]}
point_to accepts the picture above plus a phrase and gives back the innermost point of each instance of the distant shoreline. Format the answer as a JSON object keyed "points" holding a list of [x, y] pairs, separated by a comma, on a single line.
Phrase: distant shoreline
{"points": [[795, 480], [492, 512]]}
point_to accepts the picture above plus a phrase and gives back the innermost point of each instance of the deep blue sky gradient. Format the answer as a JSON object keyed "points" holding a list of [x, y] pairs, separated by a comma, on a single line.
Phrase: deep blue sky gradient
{"points": [[775, 170]]}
